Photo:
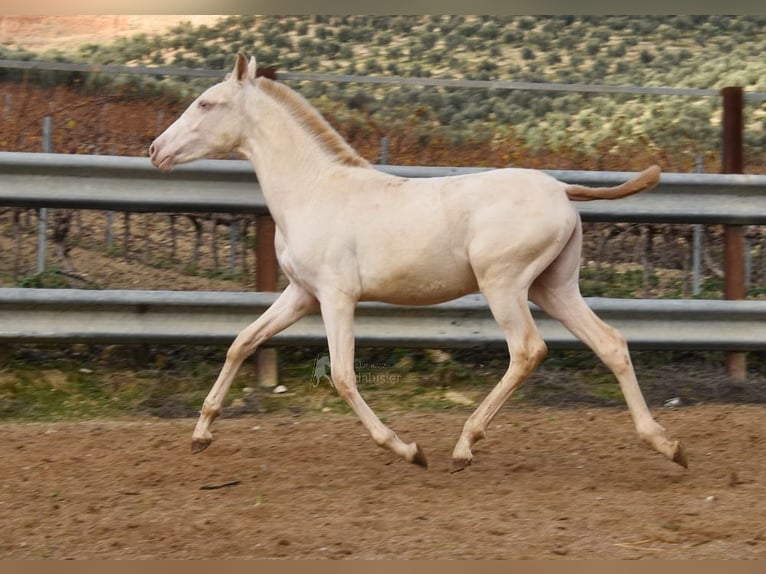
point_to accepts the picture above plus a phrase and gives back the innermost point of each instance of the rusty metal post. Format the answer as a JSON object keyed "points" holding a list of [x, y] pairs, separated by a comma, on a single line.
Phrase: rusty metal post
{"points": [[266, 271], [734, 235]]}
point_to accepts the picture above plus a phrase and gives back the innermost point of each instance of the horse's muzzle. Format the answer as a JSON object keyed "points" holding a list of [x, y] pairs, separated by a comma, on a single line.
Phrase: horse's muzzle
{"points": [[153, 153], [163, 163]]}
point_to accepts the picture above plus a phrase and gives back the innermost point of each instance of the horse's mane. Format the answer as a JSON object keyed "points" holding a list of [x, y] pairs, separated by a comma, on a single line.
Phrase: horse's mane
{"points": [[318, 127]]}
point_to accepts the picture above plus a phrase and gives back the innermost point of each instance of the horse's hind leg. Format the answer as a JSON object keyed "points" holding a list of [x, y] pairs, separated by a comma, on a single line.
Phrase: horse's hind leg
{"points": [[557, 292], [338, 317], [527, 349], [291, 305]]}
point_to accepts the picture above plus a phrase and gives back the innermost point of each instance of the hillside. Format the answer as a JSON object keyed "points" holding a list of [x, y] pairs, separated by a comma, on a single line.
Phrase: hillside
{"points": [[671, 51]]}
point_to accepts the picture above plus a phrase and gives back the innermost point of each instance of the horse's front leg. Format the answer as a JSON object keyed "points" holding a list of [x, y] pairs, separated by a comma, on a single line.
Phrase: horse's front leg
{"points": [[338, 317], [291, 305]]}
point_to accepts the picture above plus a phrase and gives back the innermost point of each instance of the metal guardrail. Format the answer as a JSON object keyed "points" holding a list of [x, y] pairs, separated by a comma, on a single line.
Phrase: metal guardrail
{"points": [[127, 183], [178, 317], [215, 186], [132, 184]]}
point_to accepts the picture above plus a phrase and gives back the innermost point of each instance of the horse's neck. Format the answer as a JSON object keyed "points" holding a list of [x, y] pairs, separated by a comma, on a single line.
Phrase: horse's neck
{"points": [[287, 160]]}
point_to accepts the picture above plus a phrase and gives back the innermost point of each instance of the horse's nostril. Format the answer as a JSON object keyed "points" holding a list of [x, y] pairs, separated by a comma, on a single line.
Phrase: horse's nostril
{"points": [[152, 149]]}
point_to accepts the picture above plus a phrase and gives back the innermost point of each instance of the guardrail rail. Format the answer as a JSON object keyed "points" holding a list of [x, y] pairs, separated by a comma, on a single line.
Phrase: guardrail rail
{"points": [[204, 317]]}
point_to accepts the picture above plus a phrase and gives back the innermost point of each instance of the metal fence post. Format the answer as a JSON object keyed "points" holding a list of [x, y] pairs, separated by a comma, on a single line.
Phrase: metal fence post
{"points": [[42, 225], [266, 271], [383, 150], [734, 235], [697, 246]]}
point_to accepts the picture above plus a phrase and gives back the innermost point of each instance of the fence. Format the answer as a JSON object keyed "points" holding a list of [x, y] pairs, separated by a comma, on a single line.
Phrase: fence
{"points": [[203, 317], [131, 183], [392, 80], [124, 183]]}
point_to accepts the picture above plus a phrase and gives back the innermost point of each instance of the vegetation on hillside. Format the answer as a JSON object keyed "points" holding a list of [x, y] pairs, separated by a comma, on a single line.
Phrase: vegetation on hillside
{"points": [[673, 51]]}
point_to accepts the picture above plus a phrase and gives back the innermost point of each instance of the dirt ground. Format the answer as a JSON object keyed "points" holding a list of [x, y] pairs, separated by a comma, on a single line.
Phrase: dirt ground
{"points": [[547, 483]]}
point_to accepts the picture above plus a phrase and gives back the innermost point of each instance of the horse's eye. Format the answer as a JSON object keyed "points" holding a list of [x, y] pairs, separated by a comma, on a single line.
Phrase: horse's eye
{"points": [[205, 105]]}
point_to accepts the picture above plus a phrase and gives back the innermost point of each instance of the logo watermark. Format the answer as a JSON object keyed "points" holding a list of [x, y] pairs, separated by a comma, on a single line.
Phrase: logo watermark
{"points": [[367, 374]]}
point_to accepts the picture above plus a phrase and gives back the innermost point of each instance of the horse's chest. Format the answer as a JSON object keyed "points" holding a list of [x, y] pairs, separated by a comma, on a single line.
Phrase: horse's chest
{"points": [[310, 263], [287, 261]]}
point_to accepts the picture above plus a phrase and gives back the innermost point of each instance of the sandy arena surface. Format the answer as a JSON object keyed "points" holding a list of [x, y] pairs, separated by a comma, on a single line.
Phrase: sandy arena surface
{"points": [[546, 483]]}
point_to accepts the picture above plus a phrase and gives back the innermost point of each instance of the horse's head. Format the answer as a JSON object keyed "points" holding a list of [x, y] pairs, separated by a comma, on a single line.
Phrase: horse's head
{"points": [[213, 123]]}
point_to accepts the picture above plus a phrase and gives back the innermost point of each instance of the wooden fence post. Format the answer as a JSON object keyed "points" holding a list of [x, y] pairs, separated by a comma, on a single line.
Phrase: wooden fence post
{"points": [[266, 272], [734, 235]]}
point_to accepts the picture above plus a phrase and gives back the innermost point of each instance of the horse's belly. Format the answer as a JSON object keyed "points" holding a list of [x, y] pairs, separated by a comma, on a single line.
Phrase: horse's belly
{"points": [[420, 284]]}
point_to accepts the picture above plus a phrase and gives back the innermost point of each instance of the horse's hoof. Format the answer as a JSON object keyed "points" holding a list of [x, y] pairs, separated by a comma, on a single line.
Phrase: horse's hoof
{"points": [[679, 456], [200, 444], [420, 457], [459, 464]]}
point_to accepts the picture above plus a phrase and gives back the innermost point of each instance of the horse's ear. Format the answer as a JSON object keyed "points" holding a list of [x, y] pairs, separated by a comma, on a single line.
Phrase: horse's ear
{"points": [[240, 68], [251, 68]]}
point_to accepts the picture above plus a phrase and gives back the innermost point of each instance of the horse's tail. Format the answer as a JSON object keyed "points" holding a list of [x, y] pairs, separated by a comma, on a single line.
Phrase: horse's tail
{"points": [[643, 181]]}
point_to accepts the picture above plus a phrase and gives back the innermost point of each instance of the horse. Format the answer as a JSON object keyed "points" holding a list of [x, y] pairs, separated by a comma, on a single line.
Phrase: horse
{"points": [[346, 232]]}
